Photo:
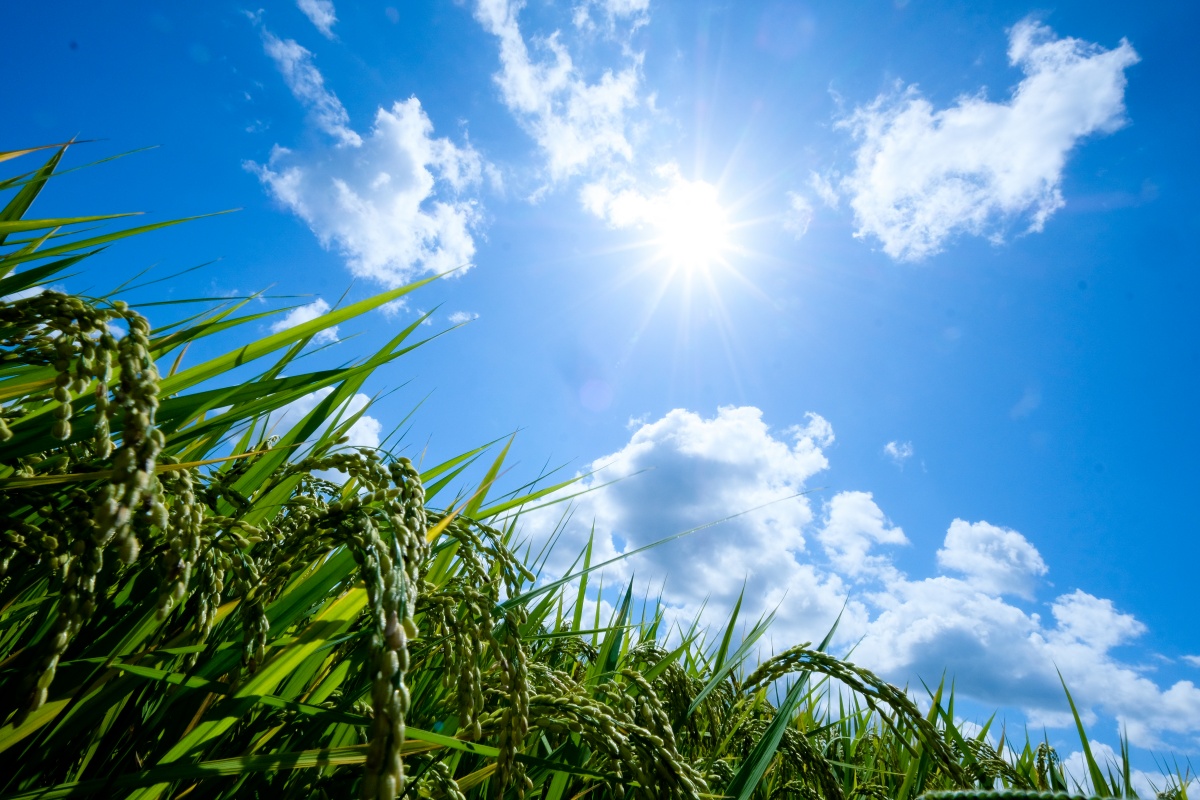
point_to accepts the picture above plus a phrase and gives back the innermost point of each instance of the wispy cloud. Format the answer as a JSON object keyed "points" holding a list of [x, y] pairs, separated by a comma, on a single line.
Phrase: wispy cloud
{"points": [[396, 203], [685, 470], [798, 216], [822, 186], [295, 64], [898, 452], [1029, 402], [320, 13], [922, 175], [634, 12], [459, 317], [576, 123]]}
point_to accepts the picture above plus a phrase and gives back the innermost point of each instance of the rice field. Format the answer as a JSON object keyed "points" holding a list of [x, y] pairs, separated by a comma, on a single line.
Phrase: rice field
{"points": [[191, 607]]}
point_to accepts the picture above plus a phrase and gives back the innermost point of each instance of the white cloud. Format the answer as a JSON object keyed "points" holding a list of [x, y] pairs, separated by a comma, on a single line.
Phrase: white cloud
{"points": [[321, 14], [1145, 784], [393, 208], [635, 12], [1001, 655], [365, 432], [976, 620], [625, 8], [581, 99], [623, 204], [308, 86], [998, 560], [576, 123], [459, 317], [683, 471], [798, 216], [816, 428], [823, 187], [396, 203], [1193, 660], [853, 525], [898, 452], [1094, 621], [302, 314], [923, 175], [947, 625]]}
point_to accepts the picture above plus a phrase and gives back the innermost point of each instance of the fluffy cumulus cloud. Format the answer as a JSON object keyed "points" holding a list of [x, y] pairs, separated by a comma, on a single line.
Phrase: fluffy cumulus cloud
{"points": [[998, 560], [396, 203], [683, 471], [302, 314], [1094, 621], [978, 619], [1146, 784], [321, 14], [576, 122], [922, 175], [854, 524], [1002, 655]]}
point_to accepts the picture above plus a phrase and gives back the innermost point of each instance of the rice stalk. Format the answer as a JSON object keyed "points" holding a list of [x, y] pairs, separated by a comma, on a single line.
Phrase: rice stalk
{"points": [[189, 607]]}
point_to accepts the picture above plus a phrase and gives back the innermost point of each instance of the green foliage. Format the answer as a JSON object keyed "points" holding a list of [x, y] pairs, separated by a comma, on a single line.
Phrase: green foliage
{"points": [[190, 607]]}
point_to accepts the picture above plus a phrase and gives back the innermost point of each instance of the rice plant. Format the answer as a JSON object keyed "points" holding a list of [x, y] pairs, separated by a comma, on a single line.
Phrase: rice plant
{"points": [[190, 607]]}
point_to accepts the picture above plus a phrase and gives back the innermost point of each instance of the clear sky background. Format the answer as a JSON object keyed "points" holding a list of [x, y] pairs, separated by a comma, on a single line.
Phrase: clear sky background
{"points": [[934, 262]]}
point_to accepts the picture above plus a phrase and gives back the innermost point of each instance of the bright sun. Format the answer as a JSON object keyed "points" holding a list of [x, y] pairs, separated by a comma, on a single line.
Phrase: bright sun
{"points": [[693, 231]]}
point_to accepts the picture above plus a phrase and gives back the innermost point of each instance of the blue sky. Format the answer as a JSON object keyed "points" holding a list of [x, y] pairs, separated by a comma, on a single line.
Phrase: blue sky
{"points": [[931, 261]]}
